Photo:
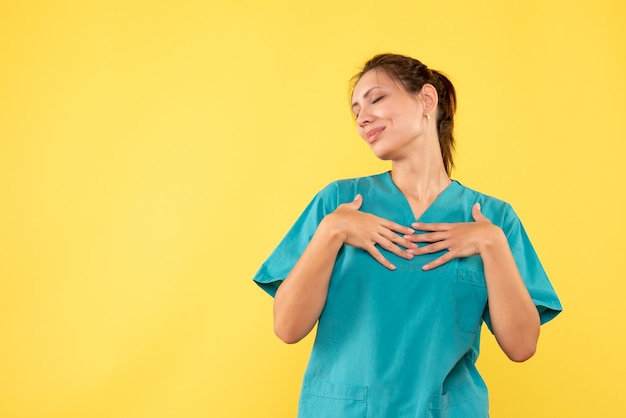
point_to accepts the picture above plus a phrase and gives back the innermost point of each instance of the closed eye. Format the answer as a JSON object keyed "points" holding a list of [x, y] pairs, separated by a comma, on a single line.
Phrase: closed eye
{"points": [[377, 99]]}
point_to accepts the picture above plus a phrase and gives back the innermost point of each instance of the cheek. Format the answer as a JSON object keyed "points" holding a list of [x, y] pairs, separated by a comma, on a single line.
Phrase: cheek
{"points": [[410, 122], [360, 132], [382, 112]]}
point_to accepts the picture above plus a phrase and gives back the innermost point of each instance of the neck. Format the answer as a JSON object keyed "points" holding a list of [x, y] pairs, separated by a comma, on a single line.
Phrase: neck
{"points": [[421, 179]]}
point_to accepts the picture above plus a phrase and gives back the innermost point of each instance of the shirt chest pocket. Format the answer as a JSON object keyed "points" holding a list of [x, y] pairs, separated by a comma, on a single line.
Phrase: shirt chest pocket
{"points": [[470, 298]]}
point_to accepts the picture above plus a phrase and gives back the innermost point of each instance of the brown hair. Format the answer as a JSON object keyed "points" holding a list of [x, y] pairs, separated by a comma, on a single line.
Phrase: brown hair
{"points": [[413, 75]]}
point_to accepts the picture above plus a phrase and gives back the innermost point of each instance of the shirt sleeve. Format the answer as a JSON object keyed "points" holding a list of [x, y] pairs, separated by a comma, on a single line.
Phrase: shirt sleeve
{"points": [[280, 262], [530, 269]]}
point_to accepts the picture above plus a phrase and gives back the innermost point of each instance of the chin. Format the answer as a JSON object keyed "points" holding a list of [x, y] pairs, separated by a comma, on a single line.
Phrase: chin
{"points": [[383, 157], [382, 154]]}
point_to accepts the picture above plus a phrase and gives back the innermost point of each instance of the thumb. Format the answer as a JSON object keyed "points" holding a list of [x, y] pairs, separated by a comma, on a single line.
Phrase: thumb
{"points": [[477, 214], [356, 203]]}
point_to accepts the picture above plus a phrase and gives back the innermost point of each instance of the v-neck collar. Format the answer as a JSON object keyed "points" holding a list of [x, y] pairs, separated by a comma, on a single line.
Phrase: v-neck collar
{"points": [[407, 207]]}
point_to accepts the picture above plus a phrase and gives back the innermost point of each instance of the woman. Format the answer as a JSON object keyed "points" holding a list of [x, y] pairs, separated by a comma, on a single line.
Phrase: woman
{"points": [[400, 269]]}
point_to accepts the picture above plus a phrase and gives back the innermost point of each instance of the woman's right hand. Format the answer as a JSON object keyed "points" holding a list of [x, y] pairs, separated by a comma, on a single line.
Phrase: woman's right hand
{"points": [[366, 231], [301, 297]]}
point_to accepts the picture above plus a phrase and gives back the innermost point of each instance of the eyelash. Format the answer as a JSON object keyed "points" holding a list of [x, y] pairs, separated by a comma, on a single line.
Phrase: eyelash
{"points": [[373, 102]]}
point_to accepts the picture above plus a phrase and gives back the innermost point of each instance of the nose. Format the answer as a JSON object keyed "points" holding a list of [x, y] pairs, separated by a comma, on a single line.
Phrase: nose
{"points": [[364, 117]]}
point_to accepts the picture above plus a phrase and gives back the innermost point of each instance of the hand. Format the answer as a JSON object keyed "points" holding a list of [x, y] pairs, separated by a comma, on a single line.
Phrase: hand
{"points": [[463, 239], [364, 230]]}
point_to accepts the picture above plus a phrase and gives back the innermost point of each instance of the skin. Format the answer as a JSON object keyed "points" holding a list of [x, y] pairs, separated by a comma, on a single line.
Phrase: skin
{"points": [[396, 126]]}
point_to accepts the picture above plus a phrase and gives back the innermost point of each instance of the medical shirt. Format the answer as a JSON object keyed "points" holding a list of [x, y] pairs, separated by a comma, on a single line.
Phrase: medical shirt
{"points": [[402, 343]]}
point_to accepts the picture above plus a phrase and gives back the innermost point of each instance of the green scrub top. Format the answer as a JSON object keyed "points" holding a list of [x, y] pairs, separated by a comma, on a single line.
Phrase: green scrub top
{"points": [[402, 343]]}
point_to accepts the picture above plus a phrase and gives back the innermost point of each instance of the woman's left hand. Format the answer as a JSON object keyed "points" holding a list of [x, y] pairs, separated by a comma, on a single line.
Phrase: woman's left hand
{"points": [[463, 239]]}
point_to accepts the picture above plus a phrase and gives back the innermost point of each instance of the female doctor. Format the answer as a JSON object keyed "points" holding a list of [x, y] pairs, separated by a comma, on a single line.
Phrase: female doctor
{"points": [[400, 269]]}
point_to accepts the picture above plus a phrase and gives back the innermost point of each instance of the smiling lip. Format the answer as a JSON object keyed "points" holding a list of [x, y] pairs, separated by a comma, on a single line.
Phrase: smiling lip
{"points": [[373, 134]]}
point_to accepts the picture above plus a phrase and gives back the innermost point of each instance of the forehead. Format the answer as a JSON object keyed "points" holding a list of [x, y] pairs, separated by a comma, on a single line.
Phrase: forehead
{"points": [[371, 80]]}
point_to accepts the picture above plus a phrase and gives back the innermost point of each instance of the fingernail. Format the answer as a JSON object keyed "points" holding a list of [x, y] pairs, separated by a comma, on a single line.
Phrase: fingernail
{"points": [[415, 225]]}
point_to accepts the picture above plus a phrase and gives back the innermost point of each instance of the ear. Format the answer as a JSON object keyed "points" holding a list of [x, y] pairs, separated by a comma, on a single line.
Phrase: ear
{"points": [[430, 97]]}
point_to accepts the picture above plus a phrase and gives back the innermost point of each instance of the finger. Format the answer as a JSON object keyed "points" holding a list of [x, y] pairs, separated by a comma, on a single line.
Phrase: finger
{"points": [[395, 248], [427, 237], [438, 262], [379, 257], [392, 226], [420, 226], [402, 240], [431, 248]]}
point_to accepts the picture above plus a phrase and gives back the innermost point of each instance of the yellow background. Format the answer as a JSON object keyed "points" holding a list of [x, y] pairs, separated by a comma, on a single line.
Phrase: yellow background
{"points": [[152, 154]]}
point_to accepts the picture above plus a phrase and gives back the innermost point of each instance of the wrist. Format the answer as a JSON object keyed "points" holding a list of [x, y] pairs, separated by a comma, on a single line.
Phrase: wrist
{"points": [[331, 232], [493, 239]]}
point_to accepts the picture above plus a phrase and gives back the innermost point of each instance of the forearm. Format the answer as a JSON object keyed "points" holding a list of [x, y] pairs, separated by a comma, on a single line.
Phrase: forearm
{"points": [[514, 317], [300, 299]]}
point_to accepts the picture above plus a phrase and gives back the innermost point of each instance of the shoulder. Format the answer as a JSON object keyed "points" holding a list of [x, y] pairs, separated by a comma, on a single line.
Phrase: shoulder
{"points": [[343, 190], [335, 193]]}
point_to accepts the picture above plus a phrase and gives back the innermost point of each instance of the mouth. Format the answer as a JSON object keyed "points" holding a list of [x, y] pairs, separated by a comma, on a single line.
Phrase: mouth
{"points": [[372, 135]]}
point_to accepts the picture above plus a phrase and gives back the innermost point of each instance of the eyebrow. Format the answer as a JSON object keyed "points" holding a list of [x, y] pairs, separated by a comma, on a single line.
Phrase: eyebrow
{"points": [[367, 93]]}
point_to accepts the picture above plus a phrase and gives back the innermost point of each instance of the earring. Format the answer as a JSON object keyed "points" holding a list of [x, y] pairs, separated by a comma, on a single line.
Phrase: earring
{"points": [[428, 116]]}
